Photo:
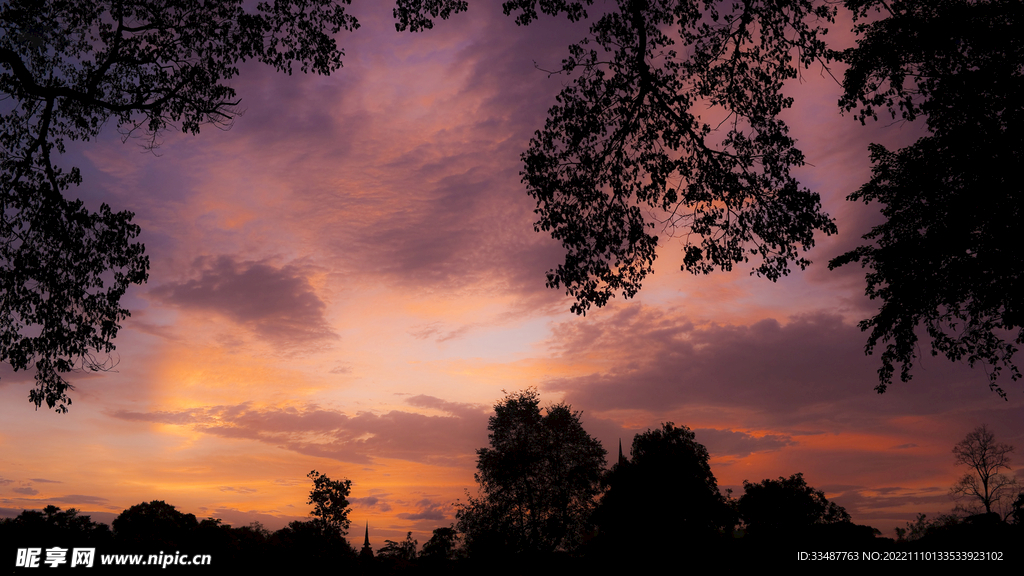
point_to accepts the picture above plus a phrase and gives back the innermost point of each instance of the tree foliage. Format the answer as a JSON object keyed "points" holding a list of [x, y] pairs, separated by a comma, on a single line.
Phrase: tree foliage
{"points": [[922, 527], [329, 499], [984, 484], [155, 523], [305, 544], [626, 145], [57, 523], [61, 528], [624, 148], [418, 15], [66, 69], [945, 258], [404, 551], [786, 507], [668, 489], [538, 479], [441, 546]]}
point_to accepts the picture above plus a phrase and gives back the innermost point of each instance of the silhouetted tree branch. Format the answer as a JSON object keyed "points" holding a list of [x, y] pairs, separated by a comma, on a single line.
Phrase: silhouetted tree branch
{"points": [[67, 68], [946, 258], [985, 457]]}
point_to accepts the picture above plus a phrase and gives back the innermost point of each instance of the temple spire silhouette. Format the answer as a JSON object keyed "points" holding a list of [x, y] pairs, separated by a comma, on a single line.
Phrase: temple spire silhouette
{"points": [[367, 551]]}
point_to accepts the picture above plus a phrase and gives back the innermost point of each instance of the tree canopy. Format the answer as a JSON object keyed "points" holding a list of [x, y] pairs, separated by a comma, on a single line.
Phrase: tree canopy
{"points": [[442, 545], [946, 257], [624, 151], [538, 479], [786, 507], [155, 522], [625, 147], [67, 67], [664, 493], [52, 522], [399, 552], [329, 499]]}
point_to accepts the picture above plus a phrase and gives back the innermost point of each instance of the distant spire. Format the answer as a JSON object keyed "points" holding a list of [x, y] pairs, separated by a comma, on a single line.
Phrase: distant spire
{"points": [[367, 551], [622, 459]]}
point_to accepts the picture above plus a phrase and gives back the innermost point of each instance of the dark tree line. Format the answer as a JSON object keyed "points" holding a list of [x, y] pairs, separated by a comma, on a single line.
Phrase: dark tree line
{"points": [[649, 507], [159, 528], [662, 502], [545, 498]]}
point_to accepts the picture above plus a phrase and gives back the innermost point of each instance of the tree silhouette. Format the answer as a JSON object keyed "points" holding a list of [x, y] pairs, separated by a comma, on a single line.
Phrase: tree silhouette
{"points": [[945, 258], [329, 499], [66, 68], [53, 525], [664, 493], [155, 523], [786, 507], [537, 481], [441, 546], [623, 149], [985, 457], [625, 145], [404, 551], [308, 546], [1017, 510], [922, 527]]}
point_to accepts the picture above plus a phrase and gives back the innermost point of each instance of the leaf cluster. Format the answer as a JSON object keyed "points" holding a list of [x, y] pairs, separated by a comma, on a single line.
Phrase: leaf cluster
{"points": [[155, 523], [626, 145], [946, 257], [419, 15], [922, 527], [442, 545], [404, 551], [329, 499]]}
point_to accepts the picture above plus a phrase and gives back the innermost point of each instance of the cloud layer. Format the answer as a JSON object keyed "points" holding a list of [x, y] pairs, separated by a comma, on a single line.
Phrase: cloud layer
{"points": [[443, 440], [277, 303]]}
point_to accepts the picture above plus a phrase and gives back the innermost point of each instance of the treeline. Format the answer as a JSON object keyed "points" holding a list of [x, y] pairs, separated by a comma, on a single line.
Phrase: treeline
{"points": [[159, 529], [547, 498]]}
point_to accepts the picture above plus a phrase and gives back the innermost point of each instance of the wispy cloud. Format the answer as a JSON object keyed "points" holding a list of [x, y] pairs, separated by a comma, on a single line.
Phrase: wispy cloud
{"points": [[317, 431]]}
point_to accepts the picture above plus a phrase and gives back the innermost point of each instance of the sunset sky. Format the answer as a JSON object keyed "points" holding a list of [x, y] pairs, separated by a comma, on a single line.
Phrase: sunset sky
{"points": [[348, 279]]}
